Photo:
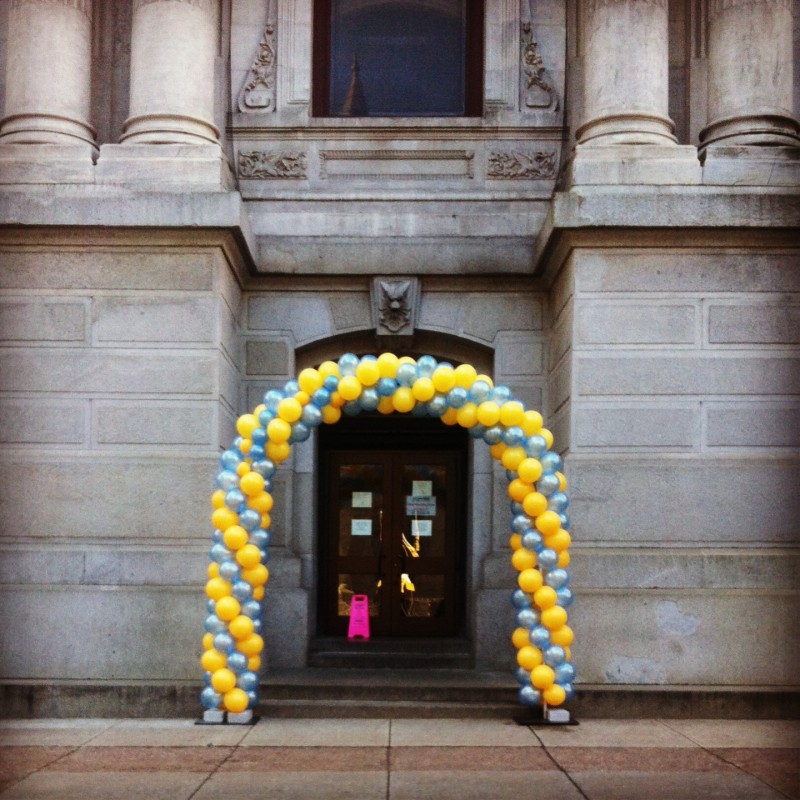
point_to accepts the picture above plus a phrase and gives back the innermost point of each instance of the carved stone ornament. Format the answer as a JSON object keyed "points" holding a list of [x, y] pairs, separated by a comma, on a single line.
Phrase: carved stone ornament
{"points": [[537, 91], [395, 303], [514, 166], [258, 92], [262, 164]]}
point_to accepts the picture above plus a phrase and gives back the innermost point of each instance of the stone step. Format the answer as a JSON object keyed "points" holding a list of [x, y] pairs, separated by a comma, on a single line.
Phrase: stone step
{"points": [[423, 654]]}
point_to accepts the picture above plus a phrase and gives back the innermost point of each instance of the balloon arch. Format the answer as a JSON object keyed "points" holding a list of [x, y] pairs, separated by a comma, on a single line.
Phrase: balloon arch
{"points": [[237, 573]]}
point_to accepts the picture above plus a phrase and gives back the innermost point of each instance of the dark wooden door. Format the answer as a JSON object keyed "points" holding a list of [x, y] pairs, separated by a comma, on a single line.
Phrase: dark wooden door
{"points": [[392, 534]]}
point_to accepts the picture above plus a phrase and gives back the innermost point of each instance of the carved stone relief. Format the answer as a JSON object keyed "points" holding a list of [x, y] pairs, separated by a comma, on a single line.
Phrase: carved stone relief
{"points": [[537, 91], [258, 92], [516, 165], [395, 303], [264, 164], [84, 6]]}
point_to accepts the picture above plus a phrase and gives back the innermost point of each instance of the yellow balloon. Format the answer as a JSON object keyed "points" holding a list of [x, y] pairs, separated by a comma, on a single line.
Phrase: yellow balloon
{"points": [[223, 518], [279, 430], [545, 597], [530, 470], [241, 627], [368, 372], [563, 635], [465, 375], [213, 570], [386, 405], [227, 608], [512, 457], [515, 542], [523, 559], [278, 451], [531, 423], [223, 680], [251, 484], [554, 618], [444, 378], [208, 642], [327, 368], [235, 537], [542, 676], [218, 499], [337, 401], [559, 541], [246, 424], [534, 504], [467, 415], [350, 387], [254, 663], [530, 580], [251, 646], [403, 399], [529, 657], [485, 379], [217, 588], [266, 521], [548, 522], [262, 502], [256, 576], [512, 413], [497, 450], [406, 360], [258, 591], [548, 437], [331, 415], [563, 559], [309, 380], [243, 469], [235, 701], [388, 364], [213, 660], [289, 409], [519, 638], [450, 417], [518, 490], [554, 695], [248, 556], [562, 481], [423, 389], [488, 413]]}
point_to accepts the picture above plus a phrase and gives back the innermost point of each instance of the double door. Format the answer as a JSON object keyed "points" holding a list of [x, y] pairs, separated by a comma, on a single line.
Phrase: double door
{"points": [[391, 534]]}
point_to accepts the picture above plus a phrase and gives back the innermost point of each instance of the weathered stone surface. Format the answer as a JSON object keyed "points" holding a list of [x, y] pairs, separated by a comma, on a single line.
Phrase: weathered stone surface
{"points": [[750, 323], [756, 425], [286, 629], [266, 357], [629, 322], [149, 423], [187, 320], [628, 426], [43, 421], [303, 314], [350, 311], [487, 314], [518, 354], [42, 320]]}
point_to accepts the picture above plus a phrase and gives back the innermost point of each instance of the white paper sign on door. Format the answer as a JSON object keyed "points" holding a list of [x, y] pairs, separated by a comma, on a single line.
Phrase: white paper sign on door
{"points": [[362, 499], [361, 527]]}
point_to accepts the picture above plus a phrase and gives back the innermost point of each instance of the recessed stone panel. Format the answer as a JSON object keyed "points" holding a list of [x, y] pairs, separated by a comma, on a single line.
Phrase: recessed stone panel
{"points": [[306, 315], [625, 323], [636, 426], [266, 357], [487, 314], [170, 321], [41, 421], [147, 423], [350, 311], [753, 425], [42, 320], [765, 323]]}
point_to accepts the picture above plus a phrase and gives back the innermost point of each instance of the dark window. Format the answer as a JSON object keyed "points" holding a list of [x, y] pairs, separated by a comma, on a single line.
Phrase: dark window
{"points": [[409, 58]]}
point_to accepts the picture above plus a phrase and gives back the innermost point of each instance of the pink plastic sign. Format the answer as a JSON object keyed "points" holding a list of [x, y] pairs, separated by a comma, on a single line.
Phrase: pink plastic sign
{"points": [[359, 617]]}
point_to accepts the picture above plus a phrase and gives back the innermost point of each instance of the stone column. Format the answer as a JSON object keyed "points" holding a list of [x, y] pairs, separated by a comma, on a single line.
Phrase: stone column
{"points": [[48, 68], [627, 70], [750, 74], [173, 51]]}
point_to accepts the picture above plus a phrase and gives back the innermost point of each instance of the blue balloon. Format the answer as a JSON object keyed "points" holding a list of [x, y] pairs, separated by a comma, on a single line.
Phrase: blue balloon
{"points": [[551, 462], [331, 383], [265, 556], [527, 618], [272, 398], [252, 699], [493, 435], [229, 460], [535, 446], [517, 508], [291, 388], [514, 436], [265, 416], [214, 624], [220, 553], [532, 540], [258, 436], [386, 387], [351, 408], [322, 396], [520, 523], [569, 690], [565, 673], [311, 416], [369, 399], [500, 394], [216, 537], [522, 676], [348, 363], [252, 609], [300, 432], [548, 483], [539, 637], [479, 391], [233, 499], [258, 626], [229, 570], [555, 655], [457, 397], [406, 374], [565, 521], [426, 366], [529, 696], [227, 480], [224, 642], [249, 519], [547, 558], [257, 452], [242, 590], [248, 681], [437, 405], [261, 539], [511, 475], [210, 698], [237, 661], [211, 605], [565, 596], [556, 578], [477, 431], [520, 599]]}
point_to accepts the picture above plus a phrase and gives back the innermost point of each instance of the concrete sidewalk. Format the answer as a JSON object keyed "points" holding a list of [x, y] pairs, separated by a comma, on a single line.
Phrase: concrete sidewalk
{"points": [[401, 759]]}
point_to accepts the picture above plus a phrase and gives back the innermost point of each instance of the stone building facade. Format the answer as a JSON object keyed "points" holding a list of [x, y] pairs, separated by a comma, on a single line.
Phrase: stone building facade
{"points": [[614, 237]]}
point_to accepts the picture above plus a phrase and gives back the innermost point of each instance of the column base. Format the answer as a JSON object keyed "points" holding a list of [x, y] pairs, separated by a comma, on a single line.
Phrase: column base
{"points": [[46, 163], [164, 167], [637, 127], [634, 164], [751, 166], [774, 130]]}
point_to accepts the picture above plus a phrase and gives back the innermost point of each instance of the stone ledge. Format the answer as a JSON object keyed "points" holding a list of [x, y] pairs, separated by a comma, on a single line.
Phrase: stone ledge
{"points": [[751, 166], [46, 164], [624, 165]]}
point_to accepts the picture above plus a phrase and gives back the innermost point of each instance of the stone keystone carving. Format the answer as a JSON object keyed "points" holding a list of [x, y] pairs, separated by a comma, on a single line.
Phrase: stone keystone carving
{"points": [[537, 91], [258, 92], [513, 166], [262, 164], [395, 305]]}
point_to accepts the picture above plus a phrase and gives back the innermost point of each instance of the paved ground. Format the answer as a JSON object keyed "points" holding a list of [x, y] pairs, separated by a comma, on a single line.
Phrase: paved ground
{"points": [[408, 759]]}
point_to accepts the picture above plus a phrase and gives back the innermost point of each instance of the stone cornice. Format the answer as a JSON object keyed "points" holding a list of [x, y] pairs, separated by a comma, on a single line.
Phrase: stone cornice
{"points": [[84, 6]]}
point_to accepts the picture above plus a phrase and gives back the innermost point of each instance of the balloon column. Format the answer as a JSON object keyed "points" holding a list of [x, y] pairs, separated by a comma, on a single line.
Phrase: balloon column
{"points": [[237, 574]]}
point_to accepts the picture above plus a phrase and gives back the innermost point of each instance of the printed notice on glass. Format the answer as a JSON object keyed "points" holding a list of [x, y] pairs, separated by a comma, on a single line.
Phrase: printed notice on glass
{"points": [[421, 527], [423, 506], [361, 527], [362, 499], [421, 488]]}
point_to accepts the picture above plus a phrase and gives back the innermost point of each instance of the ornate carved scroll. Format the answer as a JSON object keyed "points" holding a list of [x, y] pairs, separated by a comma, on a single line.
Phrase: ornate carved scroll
{"points": [[258, 92], [264, 164], [515, 166]]}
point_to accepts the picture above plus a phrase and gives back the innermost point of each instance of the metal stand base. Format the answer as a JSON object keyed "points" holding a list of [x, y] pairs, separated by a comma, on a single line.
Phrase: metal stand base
{"points": [[216, 717], [545, 716]]}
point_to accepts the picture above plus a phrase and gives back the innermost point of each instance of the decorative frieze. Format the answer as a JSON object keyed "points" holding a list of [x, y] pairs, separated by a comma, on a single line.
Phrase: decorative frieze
{"points": [[515, 165], [84, 6], [258, 92], [206, 5], [416, 165], [537, 91], [264, 164]]}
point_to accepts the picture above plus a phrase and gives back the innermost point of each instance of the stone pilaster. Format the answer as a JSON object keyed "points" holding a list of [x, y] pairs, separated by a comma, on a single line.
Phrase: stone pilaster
{"points": [[750, 74], [47, 92]]}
